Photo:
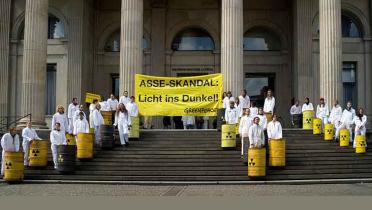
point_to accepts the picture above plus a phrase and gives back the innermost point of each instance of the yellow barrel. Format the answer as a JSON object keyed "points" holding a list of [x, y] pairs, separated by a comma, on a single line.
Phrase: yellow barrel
{"points": [[85, 145], [38, 153], [344, 137], [328, 132], [13, 167], [256, 162], [91, 130], [228, 136], [317, 126], [269, 117], [277, 152], [134, 130], [70, 139], [360, 146], [307, 119], [107, 117]]}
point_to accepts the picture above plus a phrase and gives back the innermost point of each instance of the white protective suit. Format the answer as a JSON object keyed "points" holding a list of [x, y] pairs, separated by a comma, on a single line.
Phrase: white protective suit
{"points": [[245, 101], [124, 100], [9, 144], [226, 102], [97, 122], [245, 123], [61, 119], [81, 126], [360, 127], [122, 120], [274, 130], [92, 107], [322, 112], [70, 115], [307, 107], [253, 112], [347, 121], [77, 115], [269, 105], [188, 120], [335, 115], [256, 136], [56, 138], [295, 110], [132, 109], [232, 116], [28, 134], [263, 121], [113, 104]]}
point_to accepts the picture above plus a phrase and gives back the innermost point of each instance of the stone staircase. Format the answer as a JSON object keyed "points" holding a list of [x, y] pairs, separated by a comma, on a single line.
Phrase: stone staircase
{"points": [[193, 156]]}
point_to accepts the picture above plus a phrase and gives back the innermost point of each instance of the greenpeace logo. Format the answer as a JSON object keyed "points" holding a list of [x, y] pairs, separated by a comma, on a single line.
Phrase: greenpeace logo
{"points": [[199, 110]]}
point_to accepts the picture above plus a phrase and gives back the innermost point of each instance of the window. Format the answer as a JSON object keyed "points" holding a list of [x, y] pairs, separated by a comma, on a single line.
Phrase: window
{"points": [[349, 82], [50, 105], [193, 39], [350, 28], [56, 28], [115, 84], [113, 43], [261, 39]]}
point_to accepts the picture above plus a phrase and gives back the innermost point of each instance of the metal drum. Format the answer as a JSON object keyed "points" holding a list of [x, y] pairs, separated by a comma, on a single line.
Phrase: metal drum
{"points": [[297, 120], [134, 130], [257, 162], [38, 153], [70, 139], [317, 126], [344, 137], [84, 146], [107, 137], [328, 132], [307, 119], [13, 167], [107, 117], [66, 158], [228, 136], [277, 152], [360, 147], [220, 118]]}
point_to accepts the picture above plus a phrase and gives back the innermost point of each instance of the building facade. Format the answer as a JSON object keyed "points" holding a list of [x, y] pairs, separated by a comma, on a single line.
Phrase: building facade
{"points": [[54, 50]]}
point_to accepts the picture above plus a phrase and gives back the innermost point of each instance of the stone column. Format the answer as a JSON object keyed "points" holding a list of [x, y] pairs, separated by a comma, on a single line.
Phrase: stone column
{"points": [[330, 50], [303, 47], [5, 6], [130, 43], [232, 45], [34, 60]]}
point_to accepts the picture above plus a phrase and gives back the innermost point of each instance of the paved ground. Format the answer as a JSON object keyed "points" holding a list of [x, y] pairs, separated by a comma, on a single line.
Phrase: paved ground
{"points": [[191, 190]]}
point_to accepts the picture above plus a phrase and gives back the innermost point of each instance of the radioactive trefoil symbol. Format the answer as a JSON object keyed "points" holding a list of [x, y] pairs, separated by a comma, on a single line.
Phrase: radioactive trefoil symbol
{"points": [[329, 131], [251, 162], [35, 152], [60, 158], [308, 120], [8, 165]]}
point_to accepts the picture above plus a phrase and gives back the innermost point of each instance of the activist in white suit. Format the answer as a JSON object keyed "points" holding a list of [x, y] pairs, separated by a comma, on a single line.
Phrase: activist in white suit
{"points": [[132, 107], [336, 114], [322, 112], [274, 129], [60, 117], [232, 114], [245, 123], [77, 113], [122, 120], [9, 143], [269, 104], [347, 120], [72, 108], [307, 106], [256, 134], [360, 122], [124, 99], [81, 125], [57, 137], [28, 134], [97, 122], [244, 100], [92, 107]]}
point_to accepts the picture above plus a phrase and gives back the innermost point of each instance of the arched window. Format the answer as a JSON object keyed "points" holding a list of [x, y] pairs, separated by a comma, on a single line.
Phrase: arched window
{"points": [[349, 27], [113, 43], [193, 39], [261, 39], [56, 28]]}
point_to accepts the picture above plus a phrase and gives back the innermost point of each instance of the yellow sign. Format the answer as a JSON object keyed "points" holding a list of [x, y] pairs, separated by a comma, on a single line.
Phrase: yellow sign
{"points": [[89, 97], [179, 96]]}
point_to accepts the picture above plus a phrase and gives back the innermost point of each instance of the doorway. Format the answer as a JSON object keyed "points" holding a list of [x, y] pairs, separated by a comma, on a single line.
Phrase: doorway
{"points": [[50, 102], [257, 85]]}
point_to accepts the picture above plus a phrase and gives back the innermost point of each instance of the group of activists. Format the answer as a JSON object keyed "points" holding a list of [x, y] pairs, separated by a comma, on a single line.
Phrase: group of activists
{"points": [[341, 119], [259, 125], [73, 123]]}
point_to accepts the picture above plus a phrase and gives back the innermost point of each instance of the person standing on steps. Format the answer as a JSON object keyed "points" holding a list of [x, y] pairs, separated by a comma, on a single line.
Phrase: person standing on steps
{"points": [[113, 103], [244, 100], [360, 122], [9, 143], [253, 109], [245, 123], [97, 122], [322, 112], [72, 108], [81, 125], [307, 106], [295, 113], [28, 134], [60, 117], [274, 129], [92, 107], [57, 137], [347, 120], [256, 134], [336, 114], [269, 103], [124, 99], [232, 114], [122, 120]]}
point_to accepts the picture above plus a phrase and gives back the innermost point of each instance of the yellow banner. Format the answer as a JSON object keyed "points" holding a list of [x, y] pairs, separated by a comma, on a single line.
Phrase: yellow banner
{"points": [[179, 96], [89, 97]]}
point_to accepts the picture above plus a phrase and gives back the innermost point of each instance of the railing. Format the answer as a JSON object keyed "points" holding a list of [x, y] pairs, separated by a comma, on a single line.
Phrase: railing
{"points": [[8, 121]]}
